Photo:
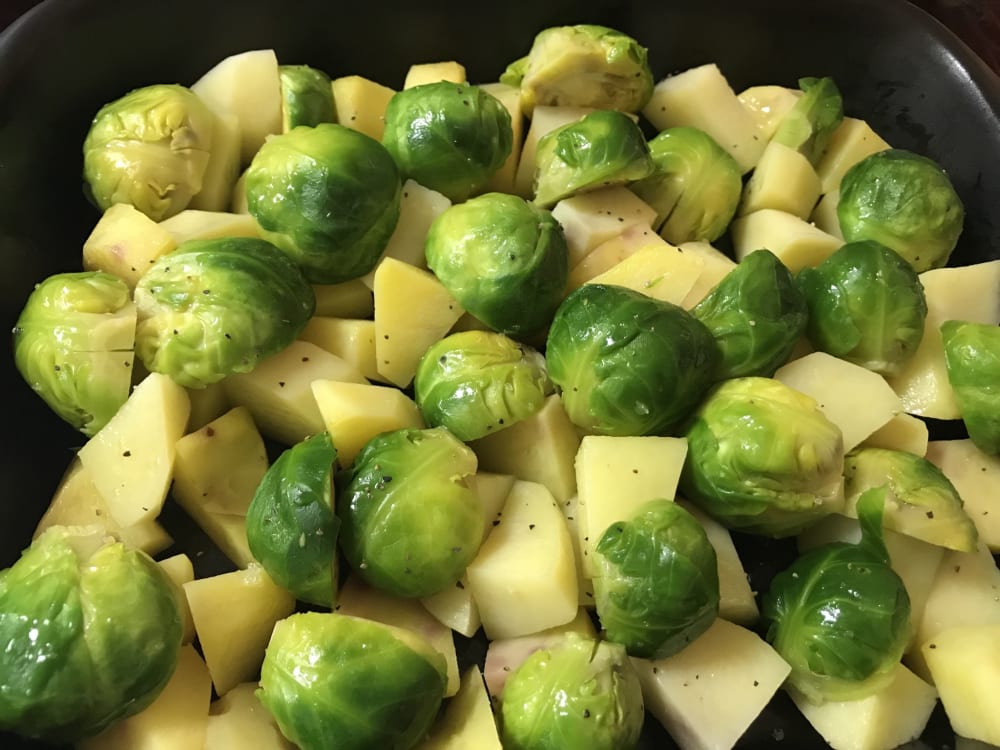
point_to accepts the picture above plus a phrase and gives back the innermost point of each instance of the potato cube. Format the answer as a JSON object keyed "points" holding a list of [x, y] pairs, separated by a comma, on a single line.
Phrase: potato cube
{"points": [[904, 432], [424, 73], [976, 476], [796, 242], [662, 272], [852, 141], [223, 168], [180, 571], [596, 216], [192, 224], [611, 252], [768, 105], [502, 180], [784, 180], [715, 264], [125, 242], [824, 215], [350, 299], [467, 721], [361, 103], [584, 583], [350, 339], [238, 721]]}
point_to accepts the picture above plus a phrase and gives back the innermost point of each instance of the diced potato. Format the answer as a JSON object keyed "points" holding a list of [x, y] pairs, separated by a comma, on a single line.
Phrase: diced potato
{"points": [[191, 224], [891, 717], [524, 577], [180, 571], [361, 103], [541, 448], [207, 403], [125, 242], [467, 721], [348, 338], [617, 475], [234, 614], [278, 392], [424, 73], [824, 216], [591, 218], [354, 413], [769, 104], [708, 694], [227, 532], [715, 264], [492, 490], [239, 203], [852, 141], [350, 299], [976, 476], [502, 180], [855, 399], [246, 85], [796, 242], [412, 311], [611, 252], [544, 120], [223, 168], [662, 272], [903, 432], [702, 97], [965, 664], [131, 459], [784, 180], [238, 721], [584, 584], [962, 293]]}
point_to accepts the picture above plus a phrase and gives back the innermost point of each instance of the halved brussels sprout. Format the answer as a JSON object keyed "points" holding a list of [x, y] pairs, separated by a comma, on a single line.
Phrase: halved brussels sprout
{"points": [[628, 364], [410, 523], [356, 684], [809, 124], [306, 97], [476, 383], [328, 196], [756, 315], [149, 149], [906, 202], [972, 356], [602, 148], [763, 458], [291, 526], [503, 259], [695, 186], [91, 632], [212, 308], [657, 581], [866, 305], [449, 137], [73, 345], [840, 615], [574, 693], [583, 66]]}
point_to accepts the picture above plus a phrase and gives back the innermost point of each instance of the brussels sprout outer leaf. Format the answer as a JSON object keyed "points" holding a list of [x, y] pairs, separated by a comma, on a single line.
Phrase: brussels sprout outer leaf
{"points": [[972, 356], [657, 588], [306, 97], [628, 364], [756, 315], [291, 526], [513, 74], [810, 123]]}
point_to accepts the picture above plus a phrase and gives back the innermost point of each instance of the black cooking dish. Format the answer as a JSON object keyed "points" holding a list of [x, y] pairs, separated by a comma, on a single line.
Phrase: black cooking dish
{"points": [[917, 84]]}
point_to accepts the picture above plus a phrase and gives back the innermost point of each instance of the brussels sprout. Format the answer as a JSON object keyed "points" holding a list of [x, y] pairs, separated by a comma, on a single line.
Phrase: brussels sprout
{"points": [[657, 581], [600, 149], [410, 523], [866, 305], [449, 137], [756, 314], [972, 357], [921, 501], [335, 680], [73, 345], [476, 383], [809, 124], [574, 693], [503, 259], [763, 458], [149, 149], [695, 186], [91, 633], [291, 526], [628, 364], [840, 615], [306, 97], [583, 66], [212, 308], [906, 202], [328, 196]]}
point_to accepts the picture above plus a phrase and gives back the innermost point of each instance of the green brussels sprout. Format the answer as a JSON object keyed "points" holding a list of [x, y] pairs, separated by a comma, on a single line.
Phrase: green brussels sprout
{"points": [[306, 97], [906, 202], [921, 501], [628, 364], [476, 383], [695, 186], [332, 680], [763, 458], [291, 526], [756, 314], [73, 345], [840, 615], [91, 633], [504, 260], [328, 196], [657, 581], [866, 305], [212, 308], [149, 149], [450, 137], [575, 693], [809, 124], [972, 358], [602, 148], [583, 66], [409, 522]]}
